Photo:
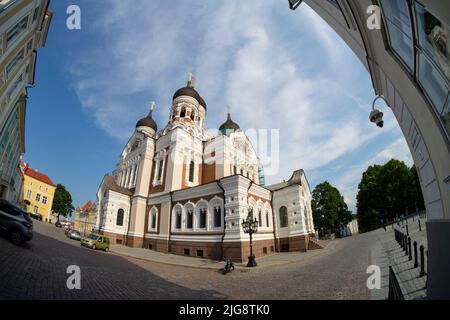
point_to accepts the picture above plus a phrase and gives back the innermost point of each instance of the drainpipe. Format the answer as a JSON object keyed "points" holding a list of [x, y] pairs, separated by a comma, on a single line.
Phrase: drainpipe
{"points": [[277, 240], [219, 183], [170, 220]]}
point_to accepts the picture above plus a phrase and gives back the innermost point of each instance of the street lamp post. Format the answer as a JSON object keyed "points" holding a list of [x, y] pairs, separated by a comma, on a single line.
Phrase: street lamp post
{"points": [[250, 226]]}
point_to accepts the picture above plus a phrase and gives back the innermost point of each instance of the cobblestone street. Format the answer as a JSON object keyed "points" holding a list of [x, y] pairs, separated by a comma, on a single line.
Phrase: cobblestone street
{"points": [[38, 271]]}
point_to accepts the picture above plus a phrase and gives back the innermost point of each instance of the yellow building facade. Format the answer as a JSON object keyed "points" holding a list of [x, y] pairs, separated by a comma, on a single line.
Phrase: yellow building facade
{"points": [[38, 193]]}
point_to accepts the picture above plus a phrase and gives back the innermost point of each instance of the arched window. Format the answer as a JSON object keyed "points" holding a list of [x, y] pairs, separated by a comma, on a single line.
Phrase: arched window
{"points": [[217, 217], [178, 219], [202, 219], [192, 115], [154, 220], [190, 219], [267, 219], [260, 217], [191, 171], [160, 168], [120, 215], [283, 217], [183, 112]]}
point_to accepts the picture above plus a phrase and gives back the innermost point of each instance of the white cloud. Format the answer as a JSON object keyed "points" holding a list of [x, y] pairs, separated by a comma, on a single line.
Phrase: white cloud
{"points": [[278, 69]]}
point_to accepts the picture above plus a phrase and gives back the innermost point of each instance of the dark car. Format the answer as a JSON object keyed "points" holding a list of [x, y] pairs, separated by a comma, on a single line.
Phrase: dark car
{"points": [[58, 224], [15, 223], [36, 216]]}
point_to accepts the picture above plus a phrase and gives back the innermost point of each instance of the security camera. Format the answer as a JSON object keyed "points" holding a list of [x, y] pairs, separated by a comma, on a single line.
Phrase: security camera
{"points": [[376, 116]]}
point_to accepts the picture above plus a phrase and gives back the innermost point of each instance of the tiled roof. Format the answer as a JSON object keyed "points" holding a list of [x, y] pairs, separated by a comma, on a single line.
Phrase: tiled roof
{"points": [[87, 206], [113, 186], [36, 175]]}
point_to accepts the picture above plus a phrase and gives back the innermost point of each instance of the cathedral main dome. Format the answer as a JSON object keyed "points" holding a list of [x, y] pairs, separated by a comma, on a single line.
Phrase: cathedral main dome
{"points": [[189, 91], [148, 120]]}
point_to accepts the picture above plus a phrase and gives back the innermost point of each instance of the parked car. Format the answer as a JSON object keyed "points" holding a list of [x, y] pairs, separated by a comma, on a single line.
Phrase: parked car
{"points": [[15, 223], [58, 224], [36, 216], [95, 241], [75, 235]]}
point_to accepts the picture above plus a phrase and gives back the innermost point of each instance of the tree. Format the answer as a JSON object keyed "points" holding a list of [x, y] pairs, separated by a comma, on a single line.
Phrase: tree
{"points": [[329, 208], [62, 202], [386, 192]]}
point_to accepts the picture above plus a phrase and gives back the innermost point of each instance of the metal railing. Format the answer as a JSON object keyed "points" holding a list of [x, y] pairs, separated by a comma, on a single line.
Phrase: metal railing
{"points": [[395, 292]]}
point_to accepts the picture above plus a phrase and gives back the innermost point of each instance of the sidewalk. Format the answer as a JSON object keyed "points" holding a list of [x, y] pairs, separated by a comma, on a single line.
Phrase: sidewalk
{"points": [[387, 253], [273, 260]]}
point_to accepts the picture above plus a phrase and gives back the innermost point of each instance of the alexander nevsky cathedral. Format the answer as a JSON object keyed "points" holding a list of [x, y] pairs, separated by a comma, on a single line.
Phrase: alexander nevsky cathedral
{"points": [[182, 191]]}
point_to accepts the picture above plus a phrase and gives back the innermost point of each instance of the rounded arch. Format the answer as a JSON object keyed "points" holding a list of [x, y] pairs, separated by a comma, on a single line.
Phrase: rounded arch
{"points": [[189, 209], [283, 217], [217, 215], [201, 214], [152, 219], [177, 217], [120, 217]]}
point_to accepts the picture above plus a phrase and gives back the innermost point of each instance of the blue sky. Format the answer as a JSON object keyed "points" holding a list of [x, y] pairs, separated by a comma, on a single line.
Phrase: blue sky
{"points": [[278, 69]]}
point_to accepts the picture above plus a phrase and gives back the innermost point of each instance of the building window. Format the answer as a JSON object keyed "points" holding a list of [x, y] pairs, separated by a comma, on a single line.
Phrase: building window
{"points": [[191, 171], [36, 209], [14, 62], [192, 115], [190, 219], [260, 218], [29, 194], [267, 219], [44, 200], [202, 219], [217, 217], [153, 220], [283, 217], [35, 14], [399, 27], [17, 30], [120, 216], [183, 113], [38, 197], [160, 168], [178, 220], [426, 55]]}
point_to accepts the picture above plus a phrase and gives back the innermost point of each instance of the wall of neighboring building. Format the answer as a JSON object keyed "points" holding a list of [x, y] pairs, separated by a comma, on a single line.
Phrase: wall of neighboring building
{"points": [[40, 195], [23, 29], [413, 95]]}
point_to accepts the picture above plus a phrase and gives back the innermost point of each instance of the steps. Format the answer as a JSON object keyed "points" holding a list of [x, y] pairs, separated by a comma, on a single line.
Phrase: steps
{"points": [[316, 244]]}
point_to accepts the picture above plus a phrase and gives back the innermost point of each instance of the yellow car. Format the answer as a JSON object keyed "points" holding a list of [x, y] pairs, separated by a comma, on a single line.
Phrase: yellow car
{"points": [[95, 241]]}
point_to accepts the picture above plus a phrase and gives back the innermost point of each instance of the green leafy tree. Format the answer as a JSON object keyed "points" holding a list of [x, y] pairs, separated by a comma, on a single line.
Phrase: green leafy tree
{"points": [[62, 202], [329, 208], [386, 192]]}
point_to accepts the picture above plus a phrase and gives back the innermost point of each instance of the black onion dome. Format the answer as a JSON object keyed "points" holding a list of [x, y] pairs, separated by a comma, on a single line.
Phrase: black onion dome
{"points": [[229, 125], [187, 91], [202, 102], [190, 92], [147, 122]]}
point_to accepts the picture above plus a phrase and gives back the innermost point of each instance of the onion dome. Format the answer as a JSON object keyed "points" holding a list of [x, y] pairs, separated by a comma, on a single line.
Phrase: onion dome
{"points": [[189, 91], [148, 120], [229, 126]]}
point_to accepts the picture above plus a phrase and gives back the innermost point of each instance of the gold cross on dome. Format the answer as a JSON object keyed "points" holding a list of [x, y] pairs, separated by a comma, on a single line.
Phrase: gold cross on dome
{"points": [[191, 80], [152, 107]]}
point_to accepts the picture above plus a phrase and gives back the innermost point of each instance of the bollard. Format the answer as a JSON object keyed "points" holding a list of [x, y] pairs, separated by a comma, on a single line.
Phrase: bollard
{"points": [[406, 246], [416, 261], [420, 226], [407, 230], [422, 261], [409, 249]]}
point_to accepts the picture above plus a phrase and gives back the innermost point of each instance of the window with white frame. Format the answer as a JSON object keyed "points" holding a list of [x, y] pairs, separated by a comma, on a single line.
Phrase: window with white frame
{"points": [[14, 62], [38, 197], [190, 219], [178, 220], [29, 192], [217, 217], [44, 200], [16, 30]]}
